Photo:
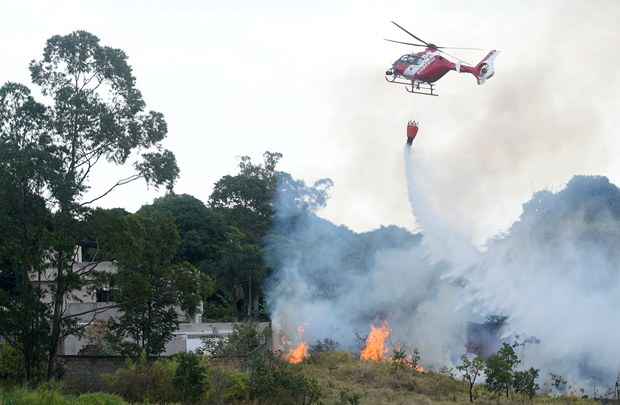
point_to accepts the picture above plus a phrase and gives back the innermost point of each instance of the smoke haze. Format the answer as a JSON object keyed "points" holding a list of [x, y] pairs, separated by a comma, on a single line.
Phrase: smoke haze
{"points": [[553, 274]]}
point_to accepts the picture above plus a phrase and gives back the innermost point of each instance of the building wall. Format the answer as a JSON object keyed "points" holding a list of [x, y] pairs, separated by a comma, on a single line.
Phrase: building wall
{"points": [[83, 303]]}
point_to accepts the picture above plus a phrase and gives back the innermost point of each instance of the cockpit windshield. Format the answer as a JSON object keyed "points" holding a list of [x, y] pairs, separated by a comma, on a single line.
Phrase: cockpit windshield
{"points": [[410, 59]]}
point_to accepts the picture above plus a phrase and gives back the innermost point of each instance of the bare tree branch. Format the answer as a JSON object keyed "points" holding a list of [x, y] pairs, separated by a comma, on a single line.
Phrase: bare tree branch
{"points": [[121, 182]]}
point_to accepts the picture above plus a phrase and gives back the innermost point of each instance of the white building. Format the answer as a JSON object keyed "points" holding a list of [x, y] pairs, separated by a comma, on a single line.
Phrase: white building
{"points": [[94, 307]]}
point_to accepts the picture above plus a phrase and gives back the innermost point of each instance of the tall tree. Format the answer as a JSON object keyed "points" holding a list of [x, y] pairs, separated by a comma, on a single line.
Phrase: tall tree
{"points": [[248, 202], [246, 199], [150, 287], [93, 113], [202, 229], [24, 228]]}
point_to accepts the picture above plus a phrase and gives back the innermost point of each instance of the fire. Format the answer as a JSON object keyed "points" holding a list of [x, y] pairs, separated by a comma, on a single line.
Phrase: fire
{"points": [[376, 349], [298, 354], [301, 351]]}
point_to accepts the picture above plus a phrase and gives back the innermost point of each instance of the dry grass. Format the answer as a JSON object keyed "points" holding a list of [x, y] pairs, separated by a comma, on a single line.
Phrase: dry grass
{"points": [[381, 384]]}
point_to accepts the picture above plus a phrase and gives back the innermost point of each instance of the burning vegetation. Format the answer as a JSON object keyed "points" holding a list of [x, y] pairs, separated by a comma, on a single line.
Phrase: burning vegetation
{"points": [[376, 349], [300, 352]]}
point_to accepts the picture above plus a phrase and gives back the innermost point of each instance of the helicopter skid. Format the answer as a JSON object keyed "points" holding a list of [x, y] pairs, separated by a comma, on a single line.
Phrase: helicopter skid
{"points": [[426, 89]]}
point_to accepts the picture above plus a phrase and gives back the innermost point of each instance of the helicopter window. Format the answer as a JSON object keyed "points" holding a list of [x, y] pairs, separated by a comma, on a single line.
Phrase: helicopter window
{"points": [[411, 60]]}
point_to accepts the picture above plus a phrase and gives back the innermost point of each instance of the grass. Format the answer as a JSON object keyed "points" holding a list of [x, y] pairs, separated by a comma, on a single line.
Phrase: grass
{"points": [[382, 384], [344, 380], [53, 396]]}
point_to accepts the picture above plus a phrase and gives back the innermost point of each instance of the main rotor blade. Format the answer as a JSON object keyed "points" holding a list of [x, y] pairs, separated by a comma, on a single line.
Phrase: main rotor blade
{"points": [[421, 40], [405, 43], [467, 49]]}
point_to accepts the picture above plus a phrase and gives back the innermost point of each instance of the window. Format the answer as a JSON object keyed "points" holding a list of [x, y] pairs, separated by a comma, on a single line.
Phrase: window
{"points": [[103, 295]]}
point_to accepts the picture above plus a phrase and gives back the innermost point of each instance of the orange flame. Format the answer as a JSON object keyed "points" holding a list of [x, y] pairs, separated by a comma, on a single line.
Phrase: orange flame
{"points": [[298, 354], [301, 352], [376, 349]]}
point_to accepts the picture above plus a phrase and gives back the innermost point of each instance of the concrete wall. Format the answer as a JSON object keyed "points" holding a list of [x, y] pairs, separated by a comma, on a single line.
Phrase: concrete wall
{"points": [[84, 373]]}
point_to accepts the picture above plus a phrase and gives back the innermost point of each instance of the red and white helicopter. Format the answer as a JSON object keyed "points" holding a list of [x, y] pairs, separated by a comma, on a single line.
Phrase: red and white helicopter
{"points": [[419, 71]]}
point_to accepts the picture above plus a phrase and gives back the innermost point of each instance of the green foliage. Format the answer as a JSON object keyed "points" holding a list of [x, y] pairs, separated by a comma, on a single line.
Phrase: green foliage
{"points": [[273, 381], [245, 341], [246, 202], [525, 382], [190, 377], [24, 320], [11, 364], [399, 357], [144, 380], [500, 370], [96, 337], [149, 286], [471, 369], [94, 113], [349, 398], [99, 399], [53, 396], [227, 387], [38, 397], [202, 230]]}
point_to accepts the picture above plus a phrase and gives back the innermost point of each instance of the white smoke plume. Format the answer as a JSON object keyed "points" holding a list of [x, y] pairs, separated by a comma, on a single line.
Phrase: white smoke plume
{"points": [[554, 275]]}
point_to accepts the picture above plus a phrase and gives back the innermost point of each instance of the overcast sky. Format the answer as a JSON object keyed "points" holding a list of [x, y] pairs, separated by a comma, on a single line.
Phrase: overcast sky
{"points": [[306, 79]]}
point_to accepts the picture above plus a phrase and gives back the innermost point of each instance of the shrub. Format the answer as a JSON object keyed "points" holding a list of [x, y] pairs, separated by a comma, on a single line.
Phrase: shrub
{"points": [[42, 396], [349, 398], [227, 387], [274, 382], [190, 377], [525, 382], [245, 341], [99, 399], [144, 380], [11, 364]]}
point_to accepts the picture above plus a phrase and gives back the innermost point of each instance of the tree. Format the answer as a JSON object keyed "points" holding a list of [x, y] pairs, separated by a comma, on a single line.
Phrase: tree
{"points": [[95, 113], [150, 287], [247, 201], [471, 369], [202, 229], [500, 369], [190, 378], [25, 224], [525, 382]]}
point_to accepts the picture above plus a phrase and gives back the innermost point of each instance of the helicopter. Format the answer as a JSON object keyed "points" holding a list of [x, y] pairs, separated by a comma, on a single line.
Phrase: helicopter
{"points": [[419, 71]]}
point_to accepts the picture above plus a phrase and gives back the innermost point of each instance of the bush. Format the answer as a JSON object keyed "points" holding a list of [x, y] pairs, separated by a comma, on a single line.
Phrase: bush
{"points": [[190, 377], [245, 341], [144, 380], [99, 399], [227, 387], [525, 382], [11, 364], [43, 396], [349, 398], [275, 382]]}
